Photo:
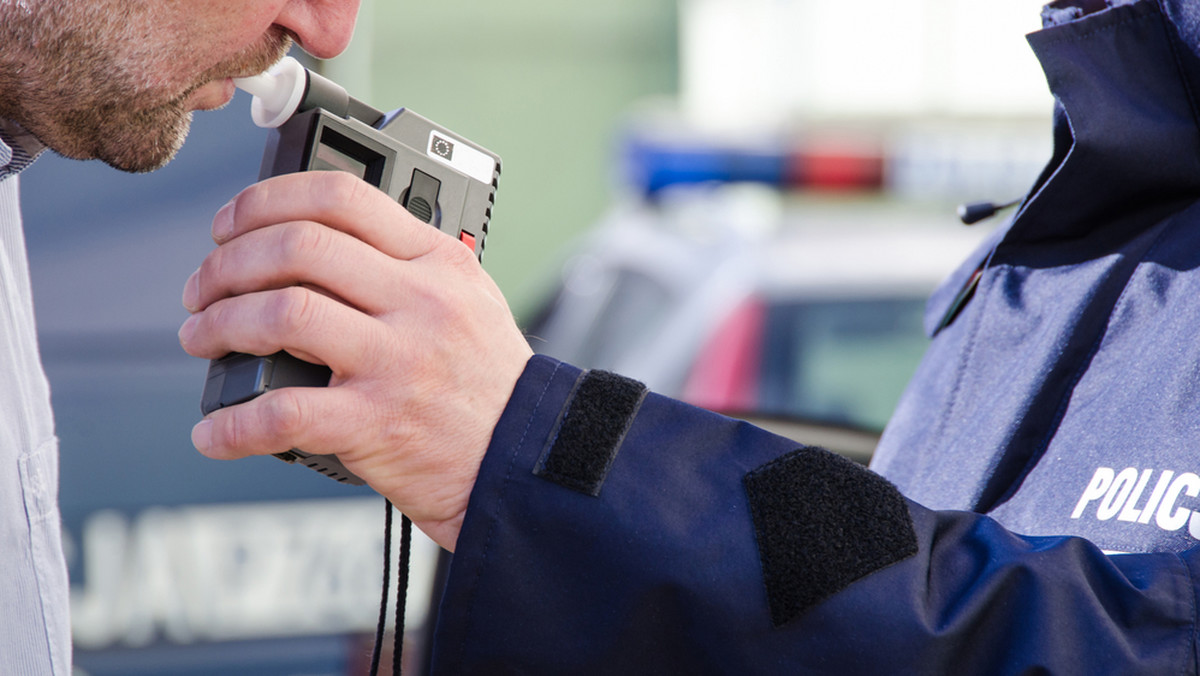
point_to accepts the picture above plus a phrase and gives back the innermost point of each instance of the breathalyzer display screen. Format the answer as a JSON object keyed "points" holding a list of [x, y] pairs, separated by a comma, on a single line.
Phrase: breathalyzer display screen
{"points": [[338, 152], [331, 159]]}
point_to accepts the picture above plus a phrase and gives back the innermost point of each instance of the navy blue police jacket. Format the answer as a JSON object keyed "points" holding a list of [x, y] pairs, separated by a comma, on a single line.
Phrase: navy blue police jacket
{"points": [[1034, 506]]}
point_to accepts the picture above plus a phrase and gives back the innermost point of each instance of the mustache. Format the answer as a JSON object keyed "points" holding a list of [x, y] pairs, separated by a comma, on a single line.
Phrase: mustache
{"points": [[253, 60]]}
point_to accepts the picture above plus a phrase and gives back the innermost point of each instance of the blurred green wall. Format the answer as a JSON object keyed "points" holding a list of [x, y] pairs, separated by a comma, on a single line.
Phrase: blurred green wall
{"points": [[544, 84]]}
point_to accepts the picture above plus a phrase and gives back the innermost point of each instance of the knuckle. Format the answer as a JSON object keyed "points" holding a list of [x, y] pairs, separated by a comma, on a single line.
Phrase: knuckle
{"points": [[463, 256], [229, 431], [284, 416], [301, 243], [213, 319], [246, 202], [339, 188], [291, 311], [447, 250], [269, 424], [213, 269]]}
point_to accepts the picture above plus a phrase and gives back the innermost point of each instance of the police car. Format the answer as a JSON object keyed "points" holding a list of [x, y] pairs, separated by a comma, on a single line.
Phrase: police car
{"points": [[798, 309]]}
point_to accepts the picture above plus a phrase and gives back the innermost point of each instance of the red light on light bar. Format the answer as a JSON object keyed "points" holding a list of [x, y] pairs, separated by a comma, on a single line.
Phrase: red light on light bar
{"points": [[835, 170]]}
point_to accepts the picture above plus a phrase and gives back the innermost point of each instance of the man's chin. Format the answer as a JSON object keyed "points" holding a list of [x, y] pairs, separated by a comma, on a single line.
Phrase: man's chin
{"points": [[150, 153], [132, 140]]}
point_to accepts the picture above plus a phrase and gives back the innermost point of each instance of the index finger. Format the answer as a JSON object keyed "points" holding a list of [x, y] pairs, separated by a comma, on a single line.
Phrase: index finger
{"points": [[334, 199]]}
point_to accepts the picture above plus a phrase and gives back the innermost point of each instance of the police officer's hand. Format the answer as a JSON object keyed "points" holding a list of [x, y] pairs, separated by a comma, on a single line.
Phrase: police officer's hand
{"points": [[422, 345]]}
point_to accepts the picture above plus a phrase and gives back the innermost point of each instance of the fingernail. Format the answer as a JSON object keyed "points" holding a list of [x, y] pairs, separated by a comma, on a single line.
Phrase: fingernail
{"points": [[186, 331], [202, 435], [222, 228], [191, 292]]}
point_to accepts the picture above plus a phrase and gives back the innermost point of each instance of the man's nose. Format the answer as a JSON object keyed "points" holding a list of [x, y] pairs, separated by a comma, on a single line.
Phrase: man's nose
{"points": [[322, 27]]}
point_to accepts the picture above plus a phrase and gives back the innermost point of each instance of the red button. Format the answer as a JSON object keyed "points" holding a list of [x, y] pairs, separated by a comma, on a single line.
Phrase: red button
{"points": [[468, 239]]}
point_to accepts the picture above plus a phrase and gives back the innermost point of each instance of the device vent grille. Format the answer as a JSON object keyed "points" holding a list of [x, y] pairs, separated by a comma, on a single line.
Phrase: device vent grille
{"points": [[420, 208]]}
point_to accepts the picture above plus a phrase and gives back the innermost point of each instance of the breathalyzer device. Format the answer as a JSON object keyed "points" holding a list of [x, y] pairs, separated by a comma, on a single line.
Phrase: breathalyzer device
{"points": [[440, 177]]}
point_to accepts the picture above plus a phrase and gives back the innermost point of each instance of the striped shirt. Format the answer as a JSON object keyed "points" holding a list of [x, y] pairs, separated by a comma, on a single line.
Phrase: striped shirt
{"points": [[35, 622]]}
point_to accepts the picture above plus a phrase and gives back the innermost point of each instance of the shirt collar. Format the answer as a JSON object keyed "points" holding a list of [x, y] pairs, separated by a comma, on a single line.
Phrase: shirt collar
{"points": [[18, 149]]}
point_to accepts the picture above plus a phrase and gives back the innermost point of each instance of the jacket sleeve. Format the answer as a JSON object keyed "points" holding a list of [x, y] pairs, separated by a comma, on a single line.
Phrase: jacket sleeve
{"points": [[618, 532]]}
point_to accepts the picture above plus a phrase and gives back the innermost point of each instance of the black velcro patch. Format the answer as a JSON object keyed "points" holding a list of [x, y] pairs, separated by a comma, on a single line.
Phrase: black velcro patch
{"points": [[590, 432], [822, 522]]}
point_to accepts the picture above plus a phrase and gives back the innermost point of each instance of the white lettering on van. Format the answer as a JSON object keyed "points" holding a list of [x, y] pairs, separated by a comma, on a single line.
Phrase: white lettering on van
{"points": [[234, 571]]}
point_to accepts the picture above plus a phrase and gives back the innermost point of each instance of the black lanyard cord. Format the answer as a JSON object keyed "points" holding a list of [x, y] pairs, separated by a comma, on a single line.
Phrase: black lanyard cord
{"points": [[401, 590]]}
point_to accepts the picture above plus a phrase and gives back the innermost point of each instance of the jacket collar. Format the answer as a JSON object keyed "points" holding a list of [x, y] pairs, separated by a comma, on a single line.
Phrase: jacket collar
{"points": [[1065, 11], [1127, 136]]}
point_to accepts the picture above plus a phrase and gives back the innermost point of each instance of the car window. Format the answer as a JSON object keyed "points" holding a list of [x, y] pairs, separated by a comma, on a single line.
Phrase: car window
{"points": [[634, 309], [843, 361]]}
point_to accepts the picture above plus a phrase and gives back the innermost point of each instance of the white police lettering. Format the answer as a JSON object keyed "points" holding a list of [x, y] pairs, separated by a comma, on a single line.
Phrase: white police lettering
{"points": [[235, 571], [1120, 494]]}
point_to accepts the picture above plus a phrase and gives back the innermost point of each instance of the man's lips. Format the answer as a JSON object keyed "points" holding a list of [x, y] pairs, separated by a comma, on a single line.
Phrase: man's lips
{"points": [[212, 95]]}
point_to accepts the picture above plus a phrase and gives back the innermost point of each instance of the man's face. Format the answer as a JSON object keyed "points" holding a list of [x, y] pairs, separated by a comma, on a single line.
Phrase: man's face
{"points": [[117, 80]]}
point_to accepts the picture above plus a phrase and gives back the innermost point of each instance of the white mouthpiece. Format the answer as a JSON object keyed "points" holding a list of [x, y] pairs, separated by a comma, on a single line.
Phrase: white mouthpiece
{"points": [[276, 92]]}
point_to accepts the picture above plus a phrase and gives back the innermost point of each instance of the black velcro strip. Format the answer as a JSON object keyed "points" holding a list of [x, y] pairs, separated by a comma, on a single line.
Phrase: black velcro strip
{"points": [[590, 432], [822, 522]]}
